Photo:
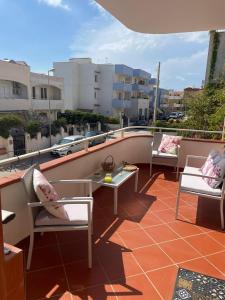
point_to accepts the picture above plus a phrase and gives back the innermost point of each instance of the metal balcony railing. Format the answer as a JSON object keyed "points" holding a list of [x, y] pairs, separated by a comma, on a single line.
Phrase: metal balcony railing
{"points": [[122, 131]]}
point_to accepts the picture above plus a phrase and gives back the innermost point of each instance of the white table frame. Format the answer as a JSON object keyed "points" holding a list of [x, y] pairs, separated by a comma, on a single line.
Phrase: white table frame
{"points": [[115, 187]]}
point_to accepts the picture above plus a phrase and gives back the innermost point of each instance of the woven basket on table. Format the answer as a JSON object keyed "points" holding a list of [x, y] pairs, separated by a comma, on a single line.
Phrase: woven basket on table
{"points": [[108, 165]]}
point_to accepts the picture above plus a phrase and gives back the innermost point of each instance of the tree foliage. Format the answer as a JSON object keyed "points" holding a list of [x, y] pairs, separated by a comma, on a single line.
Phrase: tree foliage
{"points": [[205, 111], [7, 122], [33, 127], [81, 117]]}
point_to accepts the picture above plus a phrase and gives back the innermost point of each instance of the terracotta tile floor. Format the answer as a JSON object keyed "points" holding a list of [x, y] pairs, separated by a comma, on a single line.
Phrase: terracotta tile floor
{"points": [[136, 254]]}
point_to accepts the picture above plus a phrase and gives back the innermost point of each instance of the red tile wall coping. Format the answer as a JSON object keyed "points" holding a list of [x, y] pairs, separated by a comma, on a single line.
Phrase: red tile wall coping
{"points": [[5, 181]]}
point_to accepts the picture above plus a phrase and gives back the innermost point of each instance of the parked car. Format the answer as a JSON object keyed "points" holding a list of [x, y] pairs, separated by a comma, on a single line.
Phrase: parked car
{"points": [[174, 115], [140, 123], [96, 141], [66, 150], [181, 114], [162, 117]]}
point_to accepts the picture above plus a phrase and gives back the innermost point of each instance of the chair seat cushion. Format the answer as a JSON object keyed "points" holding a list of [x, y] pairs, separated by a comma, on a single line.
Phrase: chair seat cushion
{"points": [[197, 184], [77, 215], [163, 154]]}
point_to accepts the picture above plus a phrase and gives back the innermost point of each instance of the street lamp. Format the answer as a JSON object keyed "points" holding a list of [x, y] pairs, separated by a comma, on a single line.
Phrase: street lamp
{"points": [[49, 109]]}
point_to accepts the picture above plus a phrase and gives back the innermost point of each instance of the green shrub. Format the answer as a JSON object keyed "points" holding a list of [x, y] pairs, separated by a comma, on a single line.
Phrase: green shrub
{"points": [[60, 122], [7, 122], [112, 120], [33, 127]]}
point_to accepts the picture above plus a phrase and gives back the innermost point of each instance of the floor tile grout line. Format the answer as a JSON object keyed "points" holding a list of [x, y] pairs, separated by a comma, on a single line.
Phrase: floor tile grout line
{"points": [[215, 239], [107, 277], [189, 245], [44, 269], [206, 258], [143, 271], [64, 269], [160, 247], [203, 256]]}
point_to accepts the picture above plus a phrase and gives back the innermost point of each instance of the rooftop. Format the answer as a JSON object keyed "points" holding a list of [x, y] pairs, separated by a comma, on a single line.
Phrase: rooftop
{"points": [[136, 254]]}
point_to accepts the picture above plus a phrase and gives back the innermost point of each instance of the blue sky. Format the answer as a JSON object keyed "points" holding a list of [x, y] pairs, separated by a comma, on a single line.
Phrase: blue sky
{"points": [[43, 31]]}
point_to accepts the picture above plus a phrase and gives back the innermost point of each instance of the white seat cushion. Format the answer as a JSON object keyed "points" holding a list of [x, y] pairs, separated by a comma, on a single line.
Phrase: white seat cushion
{"points": [[162, 154], [197, 184], [77, 215]]}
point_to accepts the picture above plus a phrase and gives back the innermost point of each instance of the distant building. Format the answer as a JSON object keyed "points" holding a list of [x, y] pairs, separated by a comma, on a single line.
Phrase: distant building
{"points": [[173, 101], [105, 88], [22, 91], [216, 57]]}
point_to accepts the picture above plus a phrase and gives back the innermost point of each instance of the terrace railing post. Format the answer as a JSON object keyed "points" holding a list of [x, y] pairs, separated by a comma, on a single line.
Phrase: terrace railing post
{"points": [[86, 144]]}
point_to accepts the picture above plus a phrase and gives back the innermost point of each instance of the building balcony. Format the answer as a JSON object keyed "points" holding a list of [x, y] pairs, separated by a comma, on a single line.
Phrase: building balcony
{"points": [[169, 97], [14, 104], [178, 105], [141, 74], [43, 104], [140, 88], [124, 87], [119, 103], [136, 253], [123, 70]]}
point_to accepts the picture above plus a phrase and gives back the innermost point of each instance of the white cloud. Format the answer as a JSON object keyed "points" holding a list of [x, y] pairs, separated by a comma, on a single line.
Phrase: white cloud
{"points": [[194, 37], [114, 39], [101, 10], [185, 69], [55, 3], [183, 56]]}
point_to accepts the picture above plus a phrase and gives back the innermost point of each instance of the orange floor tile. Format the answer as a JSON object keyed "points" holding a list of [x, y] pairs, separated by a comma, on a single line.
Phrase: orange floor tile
{"points": [[136, 254]]}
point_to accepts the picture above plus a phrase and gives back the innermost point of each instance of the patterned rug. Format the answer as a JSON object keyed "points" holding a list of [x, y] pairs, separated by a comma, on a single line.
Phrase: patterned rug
{"points": [[196, 286]]}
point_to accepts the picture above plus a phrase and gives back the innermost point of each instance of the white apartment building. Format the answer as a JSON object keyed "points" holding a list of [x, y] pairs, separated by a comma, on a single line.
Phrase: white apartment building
{"points": [[173, 101], [22, 91], [105, 88]]}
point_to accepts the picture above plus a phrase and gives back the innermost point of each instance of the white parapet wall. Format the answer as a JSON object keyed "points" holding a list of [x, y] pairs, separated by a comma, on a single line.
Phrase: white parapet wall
{"points": [[134, 149]]}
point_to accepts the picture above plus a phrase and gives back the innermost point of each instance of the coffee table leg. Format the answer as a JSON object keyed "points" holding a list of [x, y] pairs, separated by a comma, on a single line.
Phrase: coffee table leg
{"points": [[136, 181], [115, 200]]}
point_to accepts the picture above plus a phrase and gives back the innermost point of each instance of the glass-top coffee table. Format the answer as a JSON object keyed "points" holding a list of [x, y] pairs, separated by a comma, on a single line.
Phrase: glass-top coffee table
{"points": [[119, 176]]}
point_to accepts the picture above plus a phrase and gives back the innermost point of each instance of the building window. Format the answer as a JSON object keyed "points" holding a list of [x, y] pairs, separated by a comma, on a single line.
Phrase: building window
{"points": [[95, 95], [43, 93], [146, 113], [140, 113], [16, 88], [96, 78], [33, 92]]}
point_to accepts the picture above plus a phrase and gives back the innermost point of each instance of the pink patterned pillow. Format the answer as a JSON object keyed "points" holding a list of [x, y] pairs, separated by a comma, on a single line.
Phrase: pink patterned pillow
{"points": [[169, 144], [46, 192], [214, 166]]}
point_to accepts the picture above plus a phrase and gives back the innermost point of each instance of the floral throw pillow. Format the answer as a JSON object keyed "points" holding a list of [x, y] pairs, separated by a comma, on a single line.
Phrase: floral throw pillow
{"points": [[46, 192], [169, 144], [214, 166]]}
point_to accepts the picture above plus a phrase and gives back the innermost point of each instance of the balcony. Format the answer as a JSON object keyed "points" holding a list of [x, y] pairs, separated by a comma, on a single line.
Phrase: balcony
{"points": [[140, 88], [118, 103], [13, 104], [120, 86], [43, 104], [141, 73], [137, 253], [123, 70]]}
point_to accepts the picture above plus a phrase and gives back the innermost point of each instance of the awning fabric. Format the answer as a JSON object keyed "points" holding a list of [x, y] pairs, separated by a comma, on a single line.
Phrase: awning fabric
{"points": [[168, 16]]}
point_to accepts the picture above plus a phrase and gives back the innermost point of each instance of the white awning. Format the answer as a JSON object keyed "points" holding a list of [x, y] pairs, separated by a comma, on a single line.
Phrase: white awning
{"points": [[168, 16]]}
